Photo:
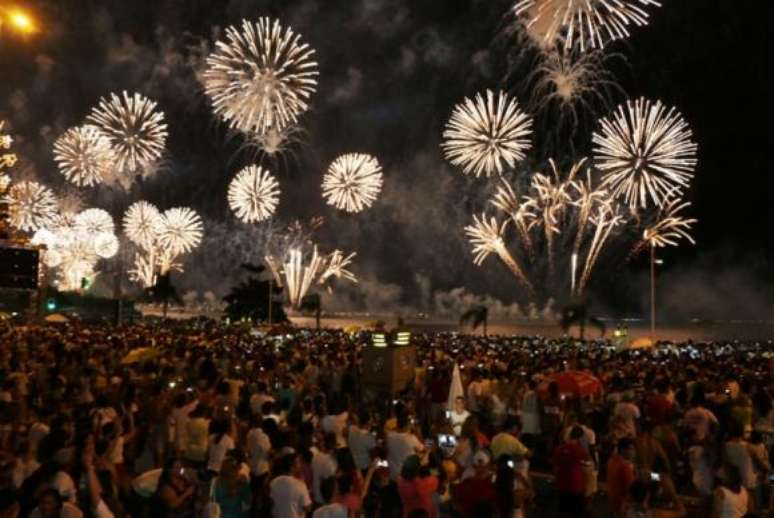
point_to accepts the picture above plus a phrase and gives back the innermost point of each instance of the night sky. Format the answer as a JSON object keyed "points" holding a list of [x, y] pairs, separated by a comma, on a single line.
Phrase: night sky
{"points": [[391, 71]]}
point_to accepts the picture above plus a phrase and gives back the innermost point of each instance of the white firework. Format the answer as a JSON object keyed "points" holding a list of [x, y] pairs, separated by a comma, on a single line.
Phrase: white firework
{"points": [[336, 266], [261, 77], [487, 133], [645, 152], [106, 245], [353, 182], [581, 23], [136, 130], [84, 155], [253, 194], [31, 206], [142, 223], [94, 221], [670, 227], [181, 230]]}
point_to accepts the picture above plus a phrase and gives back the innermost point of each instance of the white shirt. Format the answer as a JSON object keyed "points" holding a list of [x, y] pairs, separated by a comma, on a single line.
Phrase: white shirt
{"points": [[629, 413], [179, 416], [361, 442], [699, 419], [323, 466], [290, 497], [702, 474], [258, 448], [400, 445], [336, 424], [331, 511], [733, 505], [217, 452], [257, 401], [457, 420]]}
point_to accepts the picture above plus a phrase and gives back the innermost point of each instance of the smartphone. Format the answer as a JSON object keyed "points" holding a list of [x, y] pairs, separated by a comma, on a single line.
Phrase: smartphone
{"points": [[448, 414], [511, 464], [655, 477], [382, 463], [394, 401], [189, 389], [172, 384], [447, 440]]}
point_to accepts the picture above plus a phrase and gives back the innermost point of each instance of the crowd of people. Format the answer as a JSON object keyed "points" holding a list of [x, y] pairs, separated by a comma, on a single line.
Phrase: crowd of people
{"points": [[179, 419]]}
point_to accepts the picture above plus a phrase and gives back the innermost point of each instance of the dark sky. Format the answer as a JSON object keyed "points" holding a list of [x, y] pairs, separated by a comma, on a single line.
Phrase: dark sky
{"points": [[391, 71]]}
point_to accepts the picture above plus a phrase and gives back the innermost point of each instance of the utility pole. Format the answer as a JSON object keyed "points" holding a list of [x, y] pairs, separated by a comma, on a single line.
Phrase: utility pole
{"points": [[653, 291]]}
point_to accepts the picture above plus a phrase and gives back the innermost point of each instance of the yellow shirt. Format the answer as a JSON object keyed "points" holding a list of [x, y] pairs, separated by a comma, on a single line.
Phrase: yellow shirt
{"points": [[506, 444]]}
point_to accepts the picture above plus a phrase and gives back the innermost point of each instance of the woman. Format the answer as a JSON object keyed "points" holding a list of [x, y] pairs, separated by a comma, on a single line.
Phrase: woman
{"points": [[219, 444], [231, 491], [416, 489], [174, 495], [731, 499]]}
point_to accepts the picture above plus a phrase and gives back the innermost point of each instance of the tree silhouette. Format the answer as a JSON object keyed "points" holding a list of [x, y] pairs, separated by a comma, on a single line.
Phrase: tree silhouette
{"points": [[476, 316], [162, 292], [312, 304], [250, 298], [578, 314]]}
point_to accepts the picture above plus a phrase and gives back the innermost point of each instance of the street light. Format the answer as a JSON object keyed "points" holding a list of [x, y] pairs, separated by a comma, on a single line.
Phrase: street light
{"points": [[17, 20], [653, 263]]}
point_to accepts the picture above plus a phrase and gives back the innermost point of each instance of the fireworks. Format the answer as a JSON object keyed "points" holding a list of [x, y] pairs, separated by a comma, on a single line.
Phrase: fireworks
{"points": [[669, 227], [486, 238], [94, 221], [31, 205], [261, 77], [645, 152], [298, 275], [181, 230], [253, 194], [585, 23], [487, 133], [353, 182], [142, 223], [7, 159], [84, 155], [136, 131], [106, 245]]}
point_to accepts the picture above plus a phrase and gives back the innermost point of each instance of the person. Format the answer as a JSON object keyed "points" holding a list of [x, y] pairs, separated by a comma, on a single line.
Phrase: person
{"points": [[289, 495], [730, 498], [507, 441], [51, 505], [416, 487], [349, 495], [458, 415], [401, 444], [620, 475], [698, 419], [174, 494], [628, 413], [231, 491], [637, 502], [219, 444], [179, 418], [361, 440], [736, 452], [9, 504], [323, 465], [568, 460], [512, 489], [258, 452], [530, 406], [196, 437], [477, 487], [331, 508], [659, 408]]}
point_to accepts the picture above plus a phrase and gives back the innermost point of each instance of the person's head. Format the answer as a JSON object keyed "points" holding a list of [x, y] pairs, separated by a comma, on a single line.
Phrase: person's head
{"points": [[410, 469], [229, 470], [329, 442], [576, 433], [481, 462], [459, 404], [328, 489], [363, 418], [732, 478], [173, 469], [626, 448], [49, 503], [345, 483], [756, 437], [512, 425], [9, 504], [638, 492]]}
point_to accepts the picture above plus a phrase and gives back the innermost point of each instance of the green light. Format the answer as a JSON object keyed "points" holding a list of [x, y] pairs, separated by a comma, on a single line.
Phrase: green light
{"points": [[51, 304]]}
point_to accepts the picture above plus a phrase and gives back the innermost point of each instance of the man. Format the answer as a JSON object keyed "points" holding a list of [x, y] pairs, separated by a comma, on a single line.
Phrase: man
{"points": [[258, 399], [568, 460], [659, 408], [476, 489], [628, 413], [401, 444], [458, 416], [324, 465], [361, 440], [620, 475], [699, 419], [289, 494], [507, 441]]}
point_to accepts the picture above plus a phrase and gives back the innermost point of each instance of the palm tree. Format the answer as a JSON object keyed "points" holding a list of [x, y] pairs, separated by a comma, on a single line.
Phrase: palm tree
{"points": [[578, 314], [250, 298], [312, 303], [163, 291], [476, 315]]}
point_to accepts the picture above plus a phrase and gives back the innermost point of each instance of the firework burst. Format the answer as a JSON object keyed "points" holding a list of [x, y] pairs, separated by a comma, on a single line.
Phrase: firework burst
{"points": [[253, 194], [645, 152], [142, 223], [84, 155], [261, 77], [136, 131], [487, 133], [94, 221], [670, 227], [106, 245], [353, 182], [486, 236], [181, 230], [31, 205], [7, 159], [583, 23]]}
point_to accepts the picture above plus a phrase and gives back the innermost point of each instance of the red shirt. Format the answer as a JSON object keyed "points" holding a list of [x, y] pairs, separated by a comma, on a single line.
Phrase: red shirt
{"points": [[417, 494], [658, 409], [469, 493], [568, 459], [620, 475]]}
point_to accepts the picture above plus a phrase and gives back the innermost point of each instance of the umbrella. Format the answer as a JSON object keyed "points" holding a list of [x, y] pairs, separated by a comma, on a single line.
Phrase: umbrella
{"points": [[140, 355], [57, 318], [573, 382], [455, 390]]}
